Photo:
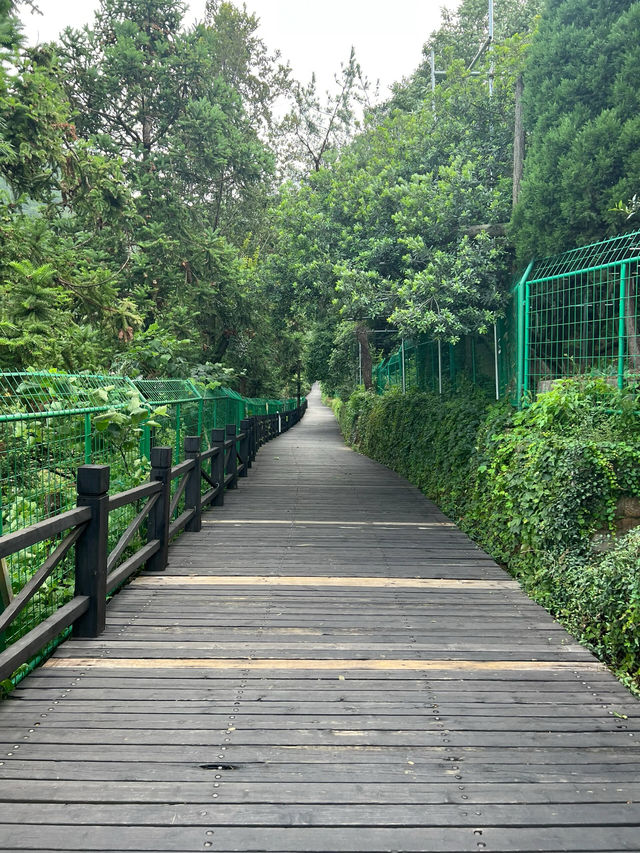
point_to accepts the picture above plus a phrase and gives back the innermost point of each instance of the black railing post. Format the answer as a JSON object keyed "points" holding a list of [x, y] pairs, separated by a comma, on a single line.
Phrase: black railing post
{"points": [[158, 525], [218, 465], [232, 458], [91, 549], [245, 456], [193, 491], [252, 440]]}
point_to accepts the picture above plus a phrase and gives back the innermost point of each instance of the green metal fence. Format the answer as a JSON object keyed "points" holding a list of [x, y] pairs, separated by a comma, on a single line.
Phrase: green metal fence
{"points": [[572, 314], [184, 407], [51, 423], [443, 367], [578, 314]]}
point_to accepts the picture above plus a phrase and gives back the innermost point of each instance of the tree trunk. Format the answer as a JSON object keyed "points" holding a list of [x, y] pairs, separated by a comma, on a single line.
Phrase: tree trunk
{"points": [[146, 133], [518, 142], [362, 334]]}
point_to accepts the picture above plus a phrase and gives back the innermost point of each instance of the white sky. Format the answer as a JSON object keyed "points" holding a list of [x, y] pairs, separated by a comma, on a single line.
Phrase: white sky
{"points": [[387, 34]]}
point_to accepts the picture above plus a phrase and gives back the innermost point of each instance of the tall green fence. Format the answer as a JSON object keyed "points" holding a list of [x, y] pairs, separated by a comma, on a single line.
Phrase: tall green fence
{"points": [[578, 314], [442, 367], [572, 314], [52, 423]]}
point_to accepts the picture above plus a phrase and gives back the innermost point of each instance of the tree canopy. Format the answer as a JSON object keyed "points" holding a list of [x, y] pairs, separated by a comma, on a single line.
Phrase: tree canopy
{"points": [[164, 213]]}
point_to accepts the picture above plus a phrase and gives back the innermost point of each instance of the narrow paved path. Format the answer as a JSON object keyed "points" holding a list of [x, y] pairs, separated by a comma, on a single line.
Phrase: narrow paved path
{"points": [[330, 665]]}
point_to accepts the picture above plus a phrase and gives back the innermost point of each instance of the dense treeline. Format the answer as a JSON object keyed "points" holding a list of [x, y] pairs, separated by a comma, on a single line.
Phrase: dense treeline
{"points": [[136, 169], [420, 223], [161, 220]]}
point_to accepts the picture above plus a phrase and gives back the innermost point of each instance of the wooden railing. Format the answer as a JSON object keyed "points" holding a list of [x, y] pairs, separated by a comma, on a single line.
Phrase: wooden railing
{"points": [[98, 571]]}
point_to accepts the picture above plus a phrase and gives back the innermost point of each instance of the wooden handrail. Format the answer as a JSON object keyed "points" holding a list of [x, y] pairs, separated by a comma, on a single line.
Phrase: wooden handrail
{"points": [[230, 455]]}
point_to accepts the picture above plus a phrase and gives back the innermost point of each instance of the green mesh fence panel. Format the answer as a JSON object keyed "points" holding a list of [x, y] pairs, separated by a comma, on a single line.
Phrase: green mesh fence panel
{"points": [[428, 365], [47, 430], [224, 407], [572, 314], [184, 406], [579, 315]]}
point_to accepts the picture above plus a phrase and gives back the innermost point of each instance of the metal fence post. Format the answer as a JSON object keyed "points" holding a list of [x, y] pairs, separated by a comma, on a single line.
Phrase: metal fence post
{"points": [[232, 459], [217, 464], [525, 354], [91, 549], [520, 337], [158, 525], [245, 457], [252, 440], [178, 431], [621, 328], [193, 492], [87, 439]]}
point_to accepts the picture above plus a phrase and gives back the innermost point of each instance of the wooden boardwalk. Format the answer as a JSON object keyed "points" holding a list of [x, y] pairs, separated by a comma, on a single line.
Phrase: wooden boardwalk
{"points": [[330, 665]]}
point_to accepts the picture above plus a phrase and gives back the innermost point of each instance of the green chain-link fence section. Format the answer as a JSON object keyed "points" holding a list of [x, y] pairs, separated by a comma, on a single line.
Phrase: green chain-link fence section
{"points": [[442, 367], [52, 423], [578, 315], [572, 314]]}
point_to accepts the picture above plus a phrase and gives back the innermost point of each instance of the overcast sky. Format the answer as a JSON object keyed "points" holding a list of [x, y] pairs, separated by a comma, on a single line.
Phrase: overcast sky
{"points": [[387, 34]]}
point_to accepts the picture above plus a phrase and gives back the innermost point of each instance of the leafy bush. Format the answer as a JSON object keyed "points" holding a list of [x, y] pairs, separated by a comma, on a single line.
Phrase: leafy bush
{"points": [[533, 488]]}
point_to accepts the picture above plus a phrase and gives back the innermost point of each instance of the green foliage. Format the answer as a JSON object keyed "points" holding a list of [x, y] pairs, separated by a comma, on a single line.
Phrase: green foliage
{"points": [[404, 226], [122, 430], [537, 489], [581, 107]]}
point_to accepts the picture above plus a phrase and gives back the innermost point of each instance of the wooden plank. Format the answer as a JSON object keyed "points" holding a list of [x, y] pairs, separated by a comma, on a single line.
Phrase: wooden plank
{"points": [[310, 839], [339, 665], [291, 580], [382, 814]]}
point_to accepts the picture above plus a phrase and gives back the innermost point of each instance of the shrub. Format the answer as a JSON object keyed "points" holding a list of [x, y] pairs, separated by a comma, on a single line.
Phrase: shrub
{"points": [[532, 487]]}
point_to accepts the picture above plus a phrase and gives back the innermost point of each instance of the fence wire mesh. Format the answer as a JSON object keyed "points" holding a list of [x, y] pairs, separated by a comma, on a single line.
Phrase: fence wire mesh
{"points": [[441, 367], [582, 323], [572, 314]]}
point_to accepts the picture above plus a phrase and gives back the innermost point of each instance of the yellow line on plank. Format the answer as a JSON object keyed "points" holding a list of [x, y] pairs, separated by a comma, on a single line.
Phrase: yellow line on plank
{"points": [[312, 664], [338, 523], [283, 580]]}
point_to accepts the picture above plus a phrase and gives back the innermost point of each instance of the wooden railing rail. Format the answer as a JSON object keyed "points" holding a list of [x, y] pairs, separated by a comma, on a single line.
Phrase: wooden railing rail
{"points": [[98, 571]]}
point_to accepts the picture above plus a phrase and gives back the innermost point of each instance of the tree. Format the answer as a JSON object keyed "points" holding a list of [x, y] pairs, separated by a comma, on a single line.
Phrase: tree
{"points": [[581, 99], [65, 219], [405, 226], [318, 127], [185, 108]]}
